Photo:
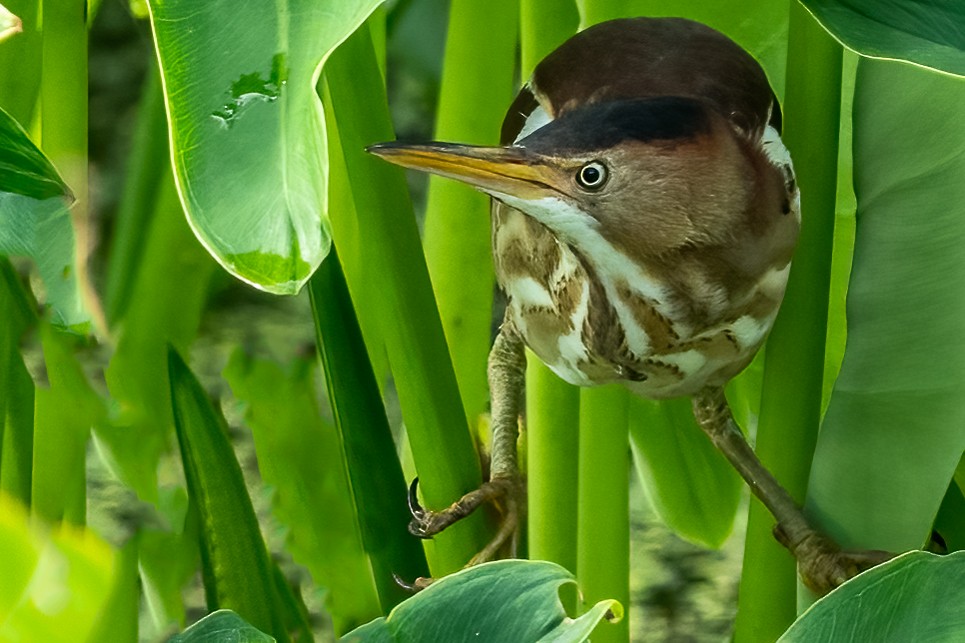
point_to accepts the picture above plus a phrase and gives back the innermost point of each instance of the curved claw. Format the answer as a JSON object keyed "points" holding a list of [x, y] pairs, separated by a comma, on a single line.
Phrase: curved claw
{"points": [[414, 507], [418, 526], [415, 586]]}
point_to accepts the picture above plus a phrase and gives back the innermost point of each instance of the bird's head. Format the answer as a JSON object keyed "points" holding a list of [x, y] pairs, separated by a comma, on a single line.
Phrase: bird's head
{"points": [[649, 176]]}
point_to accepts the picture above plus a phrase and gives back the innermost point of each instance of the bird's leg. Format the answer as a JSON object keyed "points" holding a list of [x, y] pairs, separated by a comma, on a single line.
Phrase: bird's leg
{"points": [[822, 564], [507, 366]]}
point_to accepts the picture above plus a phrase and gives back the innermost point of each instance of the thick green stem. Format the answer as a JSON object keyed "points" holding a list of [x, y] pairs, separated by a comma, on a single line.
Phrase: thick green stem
{"points": [[63, 91], [603, 559], [428, 394], [477, 85], [552, 405], [794, 363]]}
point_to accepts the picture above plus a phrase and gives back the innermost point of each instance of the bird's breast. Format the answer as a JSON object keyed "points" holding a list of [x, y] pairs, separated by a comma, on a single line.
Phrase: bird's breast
{"points": [[593, 327]]}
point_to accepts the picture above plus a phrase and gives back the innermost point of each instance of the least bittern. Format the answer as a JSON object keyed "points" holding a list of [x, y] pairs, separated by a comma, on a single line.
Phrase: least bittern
{"points": [[644, 214]]}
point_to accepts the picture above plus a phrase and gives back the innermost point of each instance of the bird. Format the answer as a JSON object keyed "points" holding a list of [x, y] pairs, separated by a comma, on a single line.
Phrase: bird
{"points": [[644, 218]]}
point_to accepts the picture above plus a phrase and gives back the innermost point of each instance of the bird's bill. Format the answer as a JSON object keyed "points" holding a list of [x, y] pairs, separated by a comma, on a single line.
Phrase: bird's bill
{"points": [[496, 170]]}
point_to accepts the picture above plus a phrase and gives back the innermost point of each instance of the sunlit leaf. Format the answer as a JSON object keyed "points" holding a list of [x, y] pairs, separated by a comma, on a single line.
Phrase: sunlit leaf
{"points": [[247, 132], [915, 597], [508, 600], [895, 427], [928, 34], [55, 583]]}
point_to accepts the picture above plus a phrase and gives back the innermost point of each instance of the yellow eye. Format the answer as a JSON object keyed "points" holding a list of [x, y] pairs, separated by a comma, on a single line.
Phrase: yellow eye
{"points": [[592, 176]]}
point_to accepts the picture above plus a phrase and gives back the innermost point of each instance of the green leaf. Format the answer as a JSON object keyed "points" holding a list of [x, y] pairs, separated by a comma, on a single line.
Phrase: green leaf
{"points": [[35, 221], [55, 583], [915, 597], [247, 132], [234, 560], [895, 427], [364, 437], [928, 34], [690, 484], [223, 625], [300, 459], [507, 600]]}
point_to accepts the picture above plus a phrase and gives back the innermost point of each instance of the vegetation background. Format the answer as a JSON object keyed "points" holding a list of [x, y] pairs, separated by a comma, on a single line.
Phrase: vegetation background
{"points": [[106, 425]]}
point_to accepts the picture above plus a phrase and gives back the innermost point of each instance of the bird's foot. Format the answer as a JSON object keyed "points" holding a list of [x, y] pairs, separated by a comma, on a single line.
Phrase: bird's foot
{"points": [[504, 492], [823, 565]]}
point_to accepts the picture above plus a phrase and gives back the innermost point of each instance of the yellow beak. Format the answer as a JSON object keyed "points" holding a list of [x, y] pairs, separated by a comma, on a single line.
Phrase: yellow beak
{"points": [[497, 170]]}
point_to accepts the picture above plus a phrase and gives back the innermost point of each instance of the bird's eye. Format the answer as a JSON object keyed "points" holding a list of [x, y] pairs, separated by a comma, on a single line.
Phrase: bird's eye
{"points": [[592, 176]]}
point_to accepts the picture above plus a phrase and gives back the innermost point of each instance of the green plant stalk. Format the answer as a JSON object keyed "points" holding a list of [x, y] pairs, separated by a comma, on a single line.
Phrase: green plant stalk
{"points": [[552, 425], [21, 56], [147, 168], [477, 85], [16, 387], [552, 405], [64, 413], [415, 343], [364, 437], [603, 529], [63, 92], [544, 25], [360, 273], [794, 362]]}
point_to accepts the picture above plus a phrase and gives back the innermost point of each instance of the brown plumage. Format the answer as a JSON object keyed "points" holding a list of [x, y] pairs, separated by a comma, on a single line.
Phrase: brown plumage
{"points": [[644, 216]]}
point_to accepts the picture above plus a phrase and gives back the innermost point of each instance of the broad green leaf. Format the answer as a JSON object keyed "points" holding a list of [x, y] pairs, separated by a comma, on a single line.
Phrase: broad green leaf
{"points": [[55, 582], [690, 484], [507, 600], [234, 560], [10, 24], [927, 34], [300, 459], [223, 625], [895, 427], [915, 597], [247, 131], [35, 219]]}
